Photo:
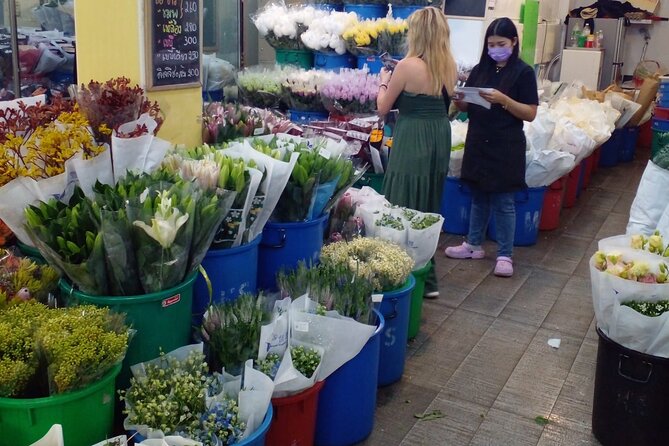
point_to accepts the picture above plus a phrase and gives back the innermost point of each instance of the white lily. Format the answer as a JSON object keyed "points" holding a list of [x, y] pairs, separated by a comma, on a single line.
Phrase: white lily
{"points": [[166, 222]]}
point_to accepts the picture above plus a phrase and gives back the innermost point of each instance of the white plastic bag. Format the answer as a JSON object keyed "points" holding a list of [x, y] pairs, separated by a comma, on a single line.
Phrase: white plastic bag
{"points": [[546, 166], [622, 324], [341, 338], [539, 132], [142, 153], [455, 164], [650, 202], [289, 380], [422, 243], [568, 137], [54, 437]]}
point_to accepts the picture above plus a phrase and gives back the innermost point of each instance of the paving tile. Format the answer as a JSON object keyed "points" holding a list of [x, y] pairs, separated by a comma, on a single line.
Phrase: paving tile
{"points": [[452, 296], [604, 199], [624, 203], [395, 408], [460, 422], [565, 255], [501, 428], [537, 380], [583, 268], [533, 255], [474, 381], [587, 223], [592, 332], [573, 311], [467, 274], [493, 293], [535, 298], [586, 360], [573, 408], [615, 224], [432, 318], [440, 355], [555, 435]]}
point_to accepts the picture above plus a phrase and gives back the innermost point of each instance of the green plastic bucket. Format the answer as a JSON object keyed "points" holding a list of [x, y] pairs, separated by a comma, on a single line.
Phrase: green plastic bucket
{"points": [[417, 299], [162, 320], [301, 58], [87, 415], [373, 180], [30, 252]]}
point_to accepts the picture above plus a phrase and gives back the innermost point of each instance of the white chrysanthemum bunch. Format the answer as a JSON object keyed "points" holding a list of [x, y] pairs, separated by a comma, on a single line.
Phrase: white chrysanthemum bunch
{"points": [[325, 33], [282, 26]]}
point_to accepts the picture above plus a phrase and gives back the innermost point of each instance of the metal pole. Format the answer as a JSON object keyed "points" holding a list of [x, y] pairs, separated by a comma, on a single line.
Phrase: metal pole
{"points": [[15, 48]]}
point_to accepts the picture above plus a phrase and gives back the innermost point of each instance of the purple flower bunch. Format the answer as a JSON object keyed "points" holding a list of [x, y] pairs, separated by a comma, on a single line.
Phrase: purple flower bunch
{"points": [[351, 92]]}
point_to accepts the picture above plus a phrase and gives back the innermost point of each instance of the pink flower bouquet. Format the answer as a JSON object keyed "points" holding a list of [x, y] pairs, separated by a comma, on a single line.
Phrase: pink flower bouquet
{"points": [[352, 92]]}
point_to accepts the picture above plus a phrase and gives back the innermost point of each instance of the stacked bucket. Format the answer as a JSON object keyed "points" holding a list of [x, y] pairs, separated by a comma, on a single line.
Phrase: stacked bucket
{"points": [[660, 125]]}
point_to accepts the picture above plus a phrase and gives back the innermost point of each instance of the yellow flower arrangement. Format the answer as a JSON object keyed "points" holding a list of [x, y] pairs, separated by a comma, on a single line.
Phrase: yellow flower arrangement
{"points": [[376, 36], [42, 153]]}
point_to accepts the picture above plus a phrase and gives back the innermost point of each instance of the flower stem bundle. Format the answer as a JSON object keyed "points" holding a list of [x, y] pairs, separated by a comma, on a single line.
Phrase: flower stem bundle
{"points": [[232, 331]]}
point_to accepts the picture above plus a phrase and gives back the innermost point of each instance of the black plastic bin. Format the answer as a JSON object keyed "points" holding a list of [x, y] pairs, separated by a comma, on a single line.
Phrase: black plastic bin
{"points": [[631, 402]]}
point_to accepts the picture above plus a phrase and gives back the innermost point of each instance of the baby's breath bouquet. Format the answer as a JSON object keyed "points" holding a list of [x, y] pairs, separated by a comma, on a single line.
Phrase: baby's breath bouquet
{"points": [[47, 351], [171, 394], [387, 264]]}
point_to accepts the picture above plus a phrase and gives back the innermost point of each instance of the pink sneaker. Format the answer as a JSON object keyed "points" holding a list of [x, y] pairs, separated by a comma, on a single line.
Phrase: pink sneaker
{"points": [[504, 267], [464, 251]]}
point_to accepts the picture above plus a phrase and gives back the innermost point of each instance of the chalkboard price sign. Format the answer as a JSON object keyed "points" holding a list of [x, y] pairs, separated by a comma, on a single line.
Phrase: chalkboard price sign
{"points": [[173, 36]]}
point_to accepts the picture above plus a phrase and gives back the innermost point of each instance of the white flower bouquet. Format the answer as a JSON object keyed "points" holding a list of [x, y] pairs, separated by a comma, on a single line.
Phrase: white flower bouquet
{"points": [[302, 89], [282, 26], [325, 33]]}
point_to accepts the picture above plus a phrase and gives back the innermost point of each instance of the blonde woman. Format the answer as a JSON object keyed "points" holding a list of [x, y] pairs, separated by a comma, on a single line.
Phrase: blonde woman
{"points": [[420, 87]]}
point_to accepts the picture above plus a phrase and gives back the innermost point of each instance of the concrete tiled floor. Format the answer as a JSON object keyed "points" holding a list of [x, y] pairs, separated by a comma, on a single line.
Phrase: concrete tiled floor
{"points": [[482, 356]]}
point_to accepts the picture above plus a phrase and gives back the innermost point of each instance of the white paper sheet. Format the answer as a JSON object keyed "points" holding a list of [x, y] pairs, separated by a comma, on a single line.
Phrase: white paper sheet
{"points": [[471, 95]]}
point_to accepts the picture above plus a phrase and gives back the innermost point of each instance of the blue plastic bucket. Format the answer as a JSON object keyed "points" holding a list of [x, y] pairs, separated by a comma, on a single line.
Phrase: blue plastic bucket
{"points": [[660, 125], [257, 438], [212, 95], [611, 149], [329, 6], [373, 63], [347, 401], [403, 12], [395, 308], [367, 11], [529, 203], [333, 61], [305, 117], [628, 147], [456, 204], [231, 271], [283, 245]]}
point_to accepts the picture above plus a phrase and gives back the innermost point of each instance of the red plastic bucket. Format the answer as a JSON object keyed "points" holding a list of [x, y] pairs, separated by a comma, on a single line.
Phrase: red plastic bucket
{"points": [[646, 134], [589, 164], [550, 213], [661, 113], [572, 187], [596, 155], [294, 422]]}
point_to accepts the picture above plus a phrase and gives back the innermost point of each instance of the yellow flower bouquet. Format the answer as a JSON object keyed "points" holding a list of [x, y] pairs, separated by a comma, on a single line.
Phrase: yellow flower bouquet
{"points": [[373, 37]]}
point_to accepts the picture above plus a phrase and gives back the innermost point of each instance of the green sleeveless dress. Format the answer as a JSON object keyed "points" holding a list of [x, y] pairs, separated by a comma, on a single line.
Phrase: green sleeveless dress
{"points": [[421, 150]]}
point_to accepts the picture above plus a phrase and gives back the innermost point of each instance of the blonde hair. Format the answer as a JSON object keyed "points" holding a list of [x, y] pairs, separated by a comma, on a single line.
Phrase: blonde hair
{"points": [[429, 38]]}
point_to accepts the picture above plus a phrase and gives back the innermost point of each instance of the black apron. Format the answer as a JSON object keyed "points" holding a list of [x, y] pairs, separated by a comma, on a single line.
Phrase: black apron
{"points": [[494, 158]]}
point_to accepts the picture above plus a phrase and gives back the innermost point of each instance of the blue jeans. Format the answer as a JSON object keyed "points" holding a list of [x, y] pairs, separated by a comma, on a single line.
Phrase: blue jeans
{"points": [[504, 207]]}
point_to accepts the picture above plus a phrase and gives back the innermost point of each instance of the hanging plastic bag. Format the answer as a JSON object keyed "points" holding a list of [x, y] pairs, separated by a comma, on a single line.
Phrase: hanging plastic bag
{"points": [[649, 203], [342, 338], [422, 242], [289, 380]]}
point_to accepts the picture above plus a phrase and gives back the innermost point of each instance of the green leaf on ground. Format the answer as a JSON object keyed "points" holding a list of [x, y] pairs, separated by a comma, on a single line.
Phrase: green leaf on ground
{"points": [[541, 421], [432, 415]]}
